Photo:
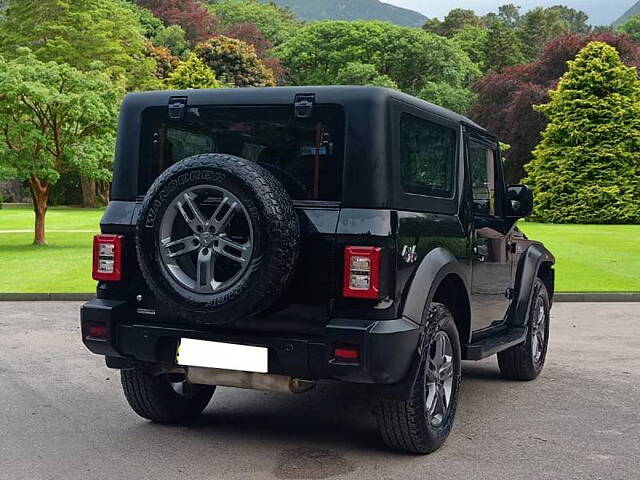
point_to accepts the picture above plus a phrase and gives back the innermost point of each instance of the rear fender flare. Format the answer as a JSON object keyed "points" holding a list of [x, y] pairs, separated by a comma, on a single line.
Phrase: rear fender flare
{"points": [[433, 268]]}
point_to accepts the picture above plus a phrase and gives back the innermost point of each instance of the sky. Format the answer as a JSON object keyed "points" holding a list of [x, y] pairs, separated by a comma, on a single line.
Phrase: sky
{"points": [[601, 12]]}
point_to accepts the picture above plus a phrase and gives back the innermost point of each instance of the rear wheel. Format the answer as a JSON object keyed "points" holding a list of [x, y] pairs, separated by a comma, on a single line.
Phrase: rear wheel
{"points": [[524, 362], [423, 423], [167, 398]]}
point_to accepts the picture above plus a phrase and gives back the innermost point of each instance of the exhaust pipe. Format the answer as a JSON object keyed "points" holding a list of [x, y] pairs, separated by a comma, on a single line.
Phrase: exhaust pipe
{"points": [[250, 380]]}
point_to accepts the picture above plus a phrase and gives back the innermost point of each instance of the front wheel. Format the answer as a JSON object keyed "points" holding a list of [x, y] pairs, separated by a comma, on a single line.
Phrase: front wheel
{"points": [[165, 398], [524, 362], [423, 423]]}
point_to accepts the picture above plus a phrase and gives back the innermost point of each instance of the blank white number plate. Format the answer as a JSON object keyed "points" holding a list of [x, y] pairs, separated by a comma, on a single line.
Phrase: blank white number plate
{"points": [[228, 356]]}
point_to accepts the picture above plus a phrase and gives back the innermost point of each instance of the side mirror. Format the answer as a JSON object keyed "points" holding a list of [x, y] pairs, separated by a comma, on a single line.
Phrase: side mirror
{"points": [[519, 202]]}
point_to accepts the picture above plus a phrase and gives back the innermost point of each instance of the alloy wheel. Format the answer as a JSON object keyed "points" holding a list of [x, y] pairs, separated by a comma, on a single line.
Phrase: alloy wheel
{"points": [[206, 239], [439, 378]]}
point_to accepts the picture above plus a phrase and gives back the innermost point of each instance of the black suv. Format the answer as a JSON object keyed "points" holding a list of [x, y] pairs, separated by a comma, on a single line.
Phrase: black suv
{"points": [[270, 238]]}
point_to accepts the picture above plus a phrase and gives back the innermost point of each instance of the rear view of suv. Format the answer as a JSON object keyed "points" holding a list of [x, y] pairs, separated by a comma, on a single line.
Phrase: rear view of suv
{"points": [[271, 238]]}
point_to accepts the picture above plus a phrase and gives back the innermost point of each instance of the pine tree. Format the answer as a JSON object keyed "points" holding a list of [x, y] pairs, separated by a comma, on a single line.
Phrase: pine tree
{"points": [[586, 169]]}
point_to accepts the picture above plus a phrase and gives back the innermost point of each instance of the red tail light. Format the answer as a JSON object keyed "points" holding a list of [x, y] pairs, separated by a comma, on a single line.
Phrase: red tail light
{"points": [[107, 258], [361, 272]]}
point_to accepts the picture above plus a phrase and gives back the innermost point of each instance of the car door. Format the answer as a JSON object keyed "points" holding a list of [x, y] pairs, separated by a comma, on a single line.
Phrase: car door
{"points": [[491, 263]]}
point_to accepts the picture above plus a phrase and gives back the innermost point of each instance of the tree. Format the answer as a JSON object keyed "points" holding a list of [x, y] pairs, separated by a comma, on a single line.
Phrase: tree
{"points": [[503, 47], [234, 62], [53, 119], [509, 14], [410, 57], [150, 25], [574, 20], [193, 73], [455, 99], [473, 41], [537, 27], [587, 167], [251, 34], [196, 20], [505, 99], [276, 24], [356, 73], [456, 20], [80, 33], [631, 27], [166, 63], [173, 38]]}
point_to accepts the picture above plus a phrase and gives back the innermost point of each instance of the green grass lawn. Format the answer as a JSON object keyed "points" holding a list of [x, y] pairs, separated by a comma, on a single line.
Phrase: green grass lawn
{"points": [[64, 265], [590, 258]]}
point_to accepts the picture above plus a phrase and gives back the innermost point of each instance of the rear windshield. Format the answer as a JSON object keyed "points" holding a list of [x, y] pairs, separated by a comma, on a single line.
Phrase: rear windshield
{"points": [[305, 155]]}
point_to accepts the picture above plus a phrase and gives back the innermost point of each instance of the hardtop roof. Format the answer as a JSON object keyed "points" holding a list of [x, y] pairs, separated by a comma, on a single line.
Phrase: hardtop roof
{"points": [[285, 95]]}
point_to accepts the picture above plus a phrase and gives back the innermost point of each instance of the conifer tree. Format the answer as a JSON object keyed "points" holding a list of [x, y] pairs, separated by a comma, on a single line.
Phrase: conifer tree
{"points": [[587, 167]]}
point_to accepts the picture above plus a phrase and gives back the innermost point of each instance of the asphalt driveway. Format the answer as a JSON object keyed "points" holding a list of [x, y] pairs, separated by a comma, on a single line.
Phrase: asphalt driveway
{"points": [[63, 415]]}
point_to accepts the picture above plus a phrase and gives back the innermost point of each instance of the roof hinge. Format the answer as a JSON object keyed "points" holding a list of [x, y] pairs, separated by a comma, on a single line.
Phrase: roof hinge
{"points": [[303, 105], [177, 107]]}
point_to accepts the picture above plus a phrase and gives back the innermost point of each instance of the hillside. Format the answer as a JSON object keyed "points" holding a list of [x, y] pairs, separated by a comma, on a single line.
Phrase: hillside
{"points": [[635, 10], [353, 10]]}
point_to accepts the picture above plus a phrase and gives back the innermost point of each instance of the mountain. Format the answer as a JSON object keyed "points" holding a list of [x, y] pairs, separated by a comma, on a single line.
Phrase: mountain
{"points": [[635, 10], [353, 10]]}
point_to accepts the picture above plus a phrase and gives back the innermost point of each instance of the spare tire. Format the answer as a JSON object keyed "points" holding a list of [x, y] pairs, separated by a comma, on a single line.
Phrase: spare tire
{"points": [[217, 239]]}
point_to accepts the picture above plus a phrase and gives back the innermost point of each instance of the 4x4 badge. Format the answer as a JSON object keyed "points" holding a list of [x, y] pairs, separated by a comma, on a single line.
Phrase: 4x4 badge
{"points": [[409, 253]]}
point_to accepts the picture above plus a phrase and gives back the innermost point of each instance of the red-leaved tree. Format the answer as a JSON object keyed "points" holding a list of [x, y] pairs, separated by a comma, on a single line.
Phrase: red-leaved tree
{"points": [[506, 99], [196, 20]]}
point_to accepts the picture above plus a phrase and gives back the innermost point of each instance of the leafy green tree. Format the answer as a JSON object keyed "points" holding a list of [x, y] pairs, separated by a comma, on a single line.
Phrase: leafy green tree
{"points": [[587, 167], [574, 20], [503, 47], [173, 38], [410, 57], [537, 27], [473, 41], [456, 20], [150, 24], [631, 27], [234, 62], [193, 73], [509, 14], [276, 23], [356, 73], [54, 119], [455, 99], [80, 32]]}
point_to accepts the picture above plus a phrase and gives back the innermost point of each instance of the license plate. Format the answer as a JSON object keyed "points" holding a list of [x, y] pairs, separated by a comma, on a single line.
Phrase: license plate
{"points": [[227, 356]]}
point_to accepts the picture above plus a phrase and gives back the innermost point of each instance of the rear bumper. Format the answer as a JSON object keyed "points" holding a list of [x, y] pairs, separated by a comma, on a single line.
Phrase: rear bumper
{"points": [[386, 348]]}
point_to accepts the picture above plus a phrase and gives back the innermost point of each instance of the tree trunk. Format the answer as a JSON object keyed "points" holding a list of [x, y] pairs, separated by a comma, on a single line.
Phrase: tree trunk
{"points": [[40, 196], [88, 192], [102, 192]]}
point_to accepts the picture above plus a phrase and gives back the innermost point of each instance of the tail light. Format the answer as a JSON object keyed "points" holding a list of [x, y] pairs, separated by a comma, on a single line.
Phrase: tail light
{"points": [[361, 272], [107, 258]]}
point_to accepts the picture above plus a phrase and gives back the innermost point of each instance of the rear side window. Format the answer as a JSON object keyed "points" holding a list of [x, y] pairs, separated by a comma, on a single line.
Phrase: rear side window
{"points": [[305, 155], [428, 153]]}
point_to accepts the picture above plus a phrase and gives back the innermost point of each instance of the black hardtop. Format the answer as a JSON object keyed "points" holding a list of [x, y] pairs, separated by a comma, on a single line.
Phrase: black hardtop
{"points": [[368, 120], [339, 95]]}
